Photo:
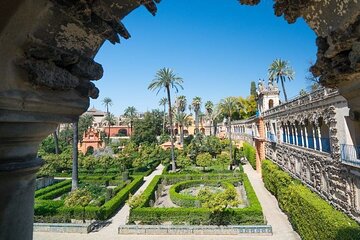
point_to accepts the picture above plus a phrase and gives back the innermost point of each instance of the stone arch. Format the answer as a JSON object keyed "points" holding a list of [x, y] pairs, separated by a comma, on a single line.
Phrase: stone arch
{"points": [[89, 150], [123, 132], [48, 64]]}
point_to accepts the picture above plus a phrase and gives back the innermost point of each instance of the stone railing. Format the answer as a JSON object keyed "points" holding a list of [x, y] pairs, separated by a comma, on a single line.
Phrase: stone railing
{"points": [[260, 230], [315, 96]]}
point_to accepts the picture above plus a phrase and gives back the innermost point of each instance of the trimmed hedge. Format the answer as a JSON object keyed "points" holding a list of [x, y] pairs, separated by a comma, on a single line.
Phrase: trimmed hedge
{"points": [[55, 193], [148, 215], [52, 187], [45, 210], [311, 216], [183, 200], [119, 199], [250, 154], [149, 192], [175, 178]]}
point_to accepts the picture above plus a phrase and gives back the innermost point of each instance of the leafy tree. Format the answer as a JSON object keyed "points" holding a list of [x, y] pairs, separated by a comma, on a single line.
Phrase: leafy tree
{"points": [[164, 138], [228, 106], [223, 159], [212, 145], [203, 160], [163, 102], [79, 197], [280, 70], [107, 102], [146, 129], [196, 104], [209, 106], [131, 114], [166, 79], [248, 108], [183, 161]]}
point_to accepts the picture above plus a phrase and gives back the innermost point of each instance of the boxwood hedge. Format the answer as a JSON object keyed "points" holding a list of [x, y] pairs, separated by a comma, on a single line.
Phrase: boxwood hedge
{"points": [[251, 214], [250, 154], [311, 216], [46, 209], [184, 200]]}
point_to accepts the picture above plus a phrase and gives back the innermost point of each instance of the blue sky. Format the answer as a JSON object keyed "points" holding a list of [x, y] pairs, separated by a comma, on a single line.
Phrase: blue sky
{"points": [[218, 49]]}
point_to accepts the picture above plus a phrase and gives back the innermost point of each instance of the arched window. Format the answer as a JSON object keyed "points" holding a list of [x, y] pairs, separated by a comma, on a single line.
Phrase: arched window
{"points": [[271, 103], [122, 133]]}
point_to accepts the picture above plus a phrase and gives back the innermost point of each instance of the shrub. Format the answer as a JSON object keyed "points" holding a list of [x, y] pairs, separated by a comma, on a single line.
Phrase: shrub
{"points": [[311, 216], [250, 154], [203, 160]]}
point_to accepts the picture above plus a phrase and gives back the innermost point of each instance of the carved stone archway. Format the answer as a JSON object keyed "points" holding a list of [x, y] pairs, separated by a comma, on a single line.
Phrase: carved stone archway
{"points": [[47, 49]]}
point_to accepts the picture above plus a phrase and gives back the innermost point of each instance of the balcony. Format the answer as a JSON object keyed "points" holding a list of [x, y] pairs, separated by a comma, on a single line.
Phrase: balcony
{"points": [[350, 154]]}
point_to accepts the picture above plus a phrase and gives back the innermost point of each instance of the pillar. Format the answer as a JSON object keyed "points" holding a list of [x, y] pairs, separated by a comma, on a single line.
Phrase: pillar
{"points": [[314, 135], [295, 135], [319, 137], [306, 137], [302, 135]]}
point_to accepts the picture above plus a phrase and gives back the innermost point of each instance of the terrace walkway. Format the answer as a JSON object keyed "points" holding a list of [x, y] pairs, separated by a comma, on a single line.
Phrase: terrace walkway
{"points": [[281, 227]]}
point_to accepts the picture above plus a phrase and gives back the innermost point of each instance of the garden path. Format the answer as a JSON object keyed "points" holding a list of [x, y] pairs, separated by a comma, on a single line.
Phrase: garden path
{"points": [[281, 226]]}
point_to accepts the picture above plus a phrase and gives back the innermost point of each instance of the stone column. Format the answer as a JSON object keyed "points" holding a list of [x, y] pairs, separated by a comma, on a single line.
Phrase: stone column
{"points": [[295, 135], [314, 135], [287, 134], [302, 135], [306, 137], [319, 137]]}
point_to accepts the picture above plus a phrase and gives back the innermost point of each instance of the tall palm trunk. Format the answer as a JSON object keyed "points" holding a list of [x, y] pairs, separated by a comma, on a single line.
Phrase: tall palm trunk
{"points": [[164, 120], [171, 131], [74, 175], [56, 141], [181, 134], [283, 87], [231, 157], [210, 126], [196, 121]]}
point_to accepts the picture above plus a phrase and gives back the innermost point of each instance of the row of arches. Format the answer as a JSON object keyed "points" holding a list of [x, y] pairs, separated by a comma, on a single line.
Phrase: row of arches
{"points": [[310, 134]]}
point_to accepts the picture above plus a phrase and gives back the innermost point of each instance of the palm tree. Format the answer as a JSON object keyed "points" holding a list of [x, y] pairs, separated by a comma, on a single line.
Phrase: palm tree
{"points": [[196, 103], [74, 174], [227, 107], [181, 103], [165, 79], [107, 102], [209, 110], [280, 70], [182, 119], [163, 102], [131, 114], [56, 140]]}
